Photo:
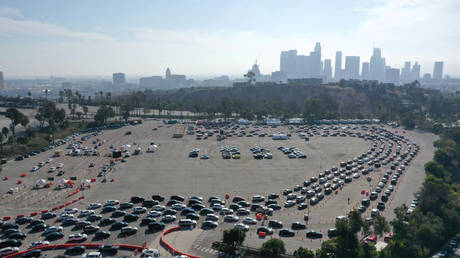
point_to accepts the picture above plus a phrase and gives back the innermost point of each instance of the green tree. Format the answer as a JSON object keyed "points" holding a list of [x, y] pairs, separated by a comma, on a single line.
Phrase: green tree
{"points": [[380, 225], [234, 237], [273, 248], [104, 113], [327, 250], [303, 253], [85, 110], [16, 117], [5, 131], [125, 110]]}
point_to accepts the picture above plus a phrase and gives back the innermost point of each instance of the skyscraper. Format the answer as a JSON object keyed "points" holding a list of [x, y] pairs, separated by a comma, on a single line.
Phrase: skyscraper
{"points": [[168, 74], [327, 70], [315, 62], [118, 78], [288, 62], [377, 66], [415, 73], [365, 75], [2, 83], [437, 71], [406, 75], [352, 67], [338, 65]]}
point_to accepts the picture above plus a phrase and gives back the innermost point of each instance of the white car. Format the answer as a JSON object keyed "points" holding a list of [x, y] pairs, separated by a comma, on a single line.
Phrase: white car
{"points": [[111, 203], [52, 169], [178, 206], [8, 250], [139, 209], [93, 206], [60, 165], [158, 208], [242, 226], [71, 210], [77, 237], [154, 214], [63, 217], [53, 229], [34, 169], [41, 164], [92, 255], [85, 213], [154, 253], [38, 243], [49, 160]]}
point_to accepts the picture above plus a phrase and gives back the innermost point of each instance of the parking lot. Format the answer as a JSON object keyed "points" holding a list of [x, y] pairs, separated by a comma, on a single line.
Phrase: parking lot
{"points": [[169, 171]]}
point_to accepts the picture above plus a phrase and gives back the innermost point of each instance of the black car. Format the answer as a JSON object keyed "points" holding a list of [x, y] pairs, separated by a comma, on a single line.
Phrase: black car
{"points": [[17, 235], [149, 203], [199, 207], [118, 225], [381, 206], [158, 198], [286, 233], [206, 211], [156, 226], [118, 213], [107, 209], [193, 216], [23, 220], [147, 220], [298, 225], [75, 250], [82, 224], [137, 199], [101, 234], [69, 222], [314, 234], [33, 253], [39, 227], [177, 198], [10, 231], [275, 224], [35, 222], [54, 236], [106, 221], [48, 215], [126, 205], [109, 249], [130, 217], [332, 232], [94, 217], [6, 226], [302, 206], [169, 212], [10, 243]]}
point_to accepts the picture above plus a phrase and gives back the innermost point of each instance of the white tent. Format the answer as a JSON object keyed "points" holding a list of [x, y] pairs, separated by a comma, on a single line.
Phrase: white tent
{"points": [[40, 182], [63, 181], [85, 181]]}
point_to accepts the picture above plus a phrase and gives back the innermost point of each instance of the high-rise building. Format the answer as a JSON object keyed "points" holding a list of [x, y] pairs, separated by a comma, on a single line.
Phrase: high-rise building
{"points": [[327, 71], [288, 62], [365, 74], [437, 71], [415, 73], [2, 83], [392, 76], [301, 66], [314, 70], [119, 78], [352, 67], [168, 74], [338, 66], [406, 75], [377, 66]]}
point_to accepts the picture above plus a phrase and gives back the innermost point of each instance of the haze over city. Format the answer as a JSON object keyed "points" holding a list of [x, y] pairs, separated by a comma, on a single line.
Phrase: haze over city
{"points": [[207, 38]]}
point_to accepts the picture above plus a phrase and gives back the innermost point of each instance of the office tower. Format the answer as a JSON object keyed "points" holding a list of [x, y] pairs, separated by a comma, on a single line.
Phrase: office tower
{"points": [[118, 78], [352, 67], [392, 75], [288, 62], [377, 66], [406, 75], [2, 83], [327, 71], [415, 73], [168, 74], [314, 66], [437, 71], [338, 65], [365, 75]]}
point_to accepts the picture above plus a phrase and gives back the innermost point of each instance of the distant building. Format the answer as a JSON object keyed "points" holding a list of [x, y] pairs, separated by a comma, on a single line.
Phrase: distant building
{"points": [[437, 71], [2, 82], [168, 74], [306, 81], [119, 78], [392, 76], [279, 77], [377, 66], [301, 66], [152, 81], [406, 74], [415, 72], [352, 67], [327, 70], [426, 77], [338, 66], [365, 73], [178, 78]]}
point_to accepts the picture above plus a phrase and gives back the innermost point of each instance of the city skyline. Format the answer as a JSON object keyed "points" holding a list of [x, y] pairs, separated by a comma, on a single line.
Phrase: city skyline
{"points": [[52, 38]]}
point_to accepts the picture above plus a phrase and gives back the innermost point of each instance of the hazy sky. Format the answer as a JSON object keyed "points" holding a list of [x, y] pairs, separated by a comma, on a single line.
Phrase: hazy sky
{"points": [[213, 37]]}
